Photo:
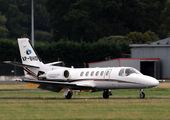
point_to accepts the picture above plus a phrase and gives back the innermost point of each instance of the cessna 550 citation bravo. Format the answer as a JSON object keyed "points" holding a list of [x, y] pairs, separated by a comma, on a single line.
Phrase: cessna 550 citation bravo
{"points": [[55, 78]]}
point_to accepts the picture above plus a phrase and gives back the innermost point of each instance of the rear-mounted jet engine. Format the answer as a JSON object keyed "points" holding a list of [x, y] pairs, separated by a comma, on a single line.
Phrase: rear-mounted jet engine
{"points": [[56, 75]]}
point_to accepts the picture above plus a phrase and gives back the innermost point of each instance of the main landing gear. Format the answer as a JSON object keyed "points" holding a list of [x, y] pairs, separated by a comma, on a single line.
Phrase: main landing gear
{"points": [[106, 94], [69, 95], [142, 94]]}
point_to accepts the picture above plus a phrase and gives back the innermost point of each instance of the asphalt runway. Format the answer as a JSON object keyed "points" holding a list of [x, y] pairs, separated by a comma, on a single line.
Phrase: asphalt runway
{"points": [[84, 99], [72, 98], [15, 82]]}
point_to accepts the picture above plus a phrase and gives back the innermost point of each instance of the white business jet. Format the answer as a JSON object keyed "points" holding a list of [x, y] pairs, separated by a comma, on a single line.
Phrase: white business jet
{"points": [[55, 78]]}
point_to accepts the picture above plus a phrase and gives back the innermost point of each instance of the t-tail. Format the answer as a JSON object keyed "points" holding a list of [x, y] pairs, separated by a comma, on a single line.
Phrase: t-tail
{"points": [[31, 62], [27, 52], [29, 58]]}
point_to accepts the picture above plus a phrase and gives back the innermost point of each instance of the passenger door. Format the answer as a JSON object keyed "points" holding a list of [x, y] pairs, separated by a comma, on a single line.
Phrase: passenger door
{"points": [[107, 74]]}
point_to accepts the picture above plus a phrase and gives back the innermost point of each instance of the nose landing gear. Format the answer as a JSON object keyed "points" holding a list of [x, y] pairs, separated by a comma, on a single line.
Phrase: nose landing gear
{"points": [[69, 95], [142, 94]]}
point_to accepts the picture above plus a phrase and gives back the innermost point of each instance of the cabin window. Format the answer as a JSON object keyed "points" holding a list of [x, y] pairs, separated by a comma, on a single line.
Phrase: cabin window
{"points": [[121, 73], [97, 73], [101, 74], [87, 73], [81, 73], [129, 71], [92, 73]]}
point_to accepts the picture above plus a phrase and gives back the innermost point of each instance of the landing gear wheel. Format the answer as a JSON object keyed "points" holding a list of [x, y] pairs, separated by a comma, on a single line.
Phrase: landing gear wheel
{"points": [[142, 95], [106, 94], [69, 95]]}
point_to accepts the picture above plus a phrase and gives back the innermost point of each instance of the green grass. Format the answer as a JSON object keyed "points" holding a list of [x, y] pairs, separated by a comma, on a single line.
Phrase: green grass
{"points": [[52, 106], [84, 109]]}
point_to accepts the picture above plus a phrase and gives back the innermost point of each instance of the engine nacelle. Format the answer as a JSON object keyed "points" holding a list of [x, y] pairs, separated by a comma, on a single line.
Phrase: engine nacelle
{"points": [[57, 75]]}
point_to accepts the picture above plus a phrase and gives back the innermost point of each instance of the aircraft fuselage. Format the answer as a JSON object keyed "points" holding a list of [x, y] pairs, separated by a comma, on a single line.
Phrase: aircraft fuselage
{"points": [[103, 78]]}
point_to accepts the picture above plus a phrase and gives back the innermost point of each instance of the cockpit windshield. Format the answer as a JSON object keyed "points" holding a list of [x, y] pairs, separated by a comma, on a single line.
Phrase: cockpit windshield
{"points": [[128, 71]]}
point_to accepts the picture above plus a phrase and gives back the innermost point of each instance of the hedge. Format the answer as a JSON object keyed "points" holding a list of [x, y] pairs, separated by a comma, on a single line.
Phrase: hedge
{"points": [[67, 51]]}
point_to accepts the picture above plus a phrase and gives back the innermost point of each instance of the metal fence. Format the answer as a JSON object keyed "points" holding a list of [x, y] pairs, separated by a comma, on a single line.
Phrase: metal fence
{"points": [[10, 70]]}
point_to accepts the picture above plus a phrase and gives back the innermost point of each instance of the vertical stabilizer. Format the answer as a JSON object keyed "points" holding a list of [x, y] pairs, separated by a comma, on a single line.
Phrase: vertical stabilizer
{"points": [[29, 57], [27, 52]]}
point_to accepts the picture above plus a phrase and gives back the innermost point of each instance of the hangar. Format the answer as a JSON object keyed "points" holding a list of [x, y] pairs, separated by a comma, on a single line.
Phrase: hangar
{"points": [[151, 59], [159, 49]]}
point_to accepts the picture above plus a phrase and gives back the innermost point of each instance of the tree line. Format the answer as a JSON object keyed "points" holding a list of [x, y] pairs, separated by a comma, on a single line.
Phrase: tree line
{"points": [[82, 30], [79, 52], [67, 51], [83, 20], [15, 19], [90, 20]]}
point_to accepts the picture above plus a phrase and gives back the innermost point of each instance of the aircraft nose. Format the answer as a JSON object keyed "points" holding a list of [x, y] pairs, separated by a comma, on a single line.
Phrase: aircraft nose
{"points": [[153, 82]]}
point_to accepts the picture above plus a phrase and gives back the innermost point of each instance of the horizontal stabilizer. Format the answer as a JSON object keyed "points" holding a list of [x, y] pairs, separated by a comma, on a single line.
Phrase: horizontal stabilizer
{"points": [[54, 63], [20, 64]]}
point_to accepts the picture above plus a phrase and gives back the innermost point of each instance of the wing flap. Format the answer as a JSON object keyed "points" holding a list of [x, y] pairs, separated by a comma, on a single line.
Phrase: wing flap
{"points": [[50, 88], [60, 84]]}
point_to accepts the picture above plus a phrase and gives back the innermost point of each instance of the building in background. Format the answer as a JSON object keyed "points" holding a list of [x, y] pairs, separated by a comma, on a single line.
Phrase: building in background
{"points": [[147, 66], [151, 59], [159, 49]]}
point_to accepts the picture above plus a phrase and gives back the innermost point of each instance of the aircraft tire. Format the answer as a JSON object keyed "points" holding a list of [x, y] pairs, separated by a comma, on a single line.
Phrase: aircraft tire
{"points": [[69, 95], [105, 95], [142, 95]]}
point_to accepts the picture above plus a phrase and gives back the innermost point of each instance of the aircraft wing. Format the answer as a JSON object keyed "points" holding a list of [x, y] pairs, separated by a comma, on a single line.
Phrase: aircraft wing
{"points": [[19, 64], [61, 84]]}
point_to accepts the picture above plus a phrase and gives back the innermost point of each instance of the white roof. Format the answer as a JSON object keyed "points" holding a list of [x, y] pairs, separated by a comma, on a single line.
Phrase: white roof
{"points": [[159, 43]]}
